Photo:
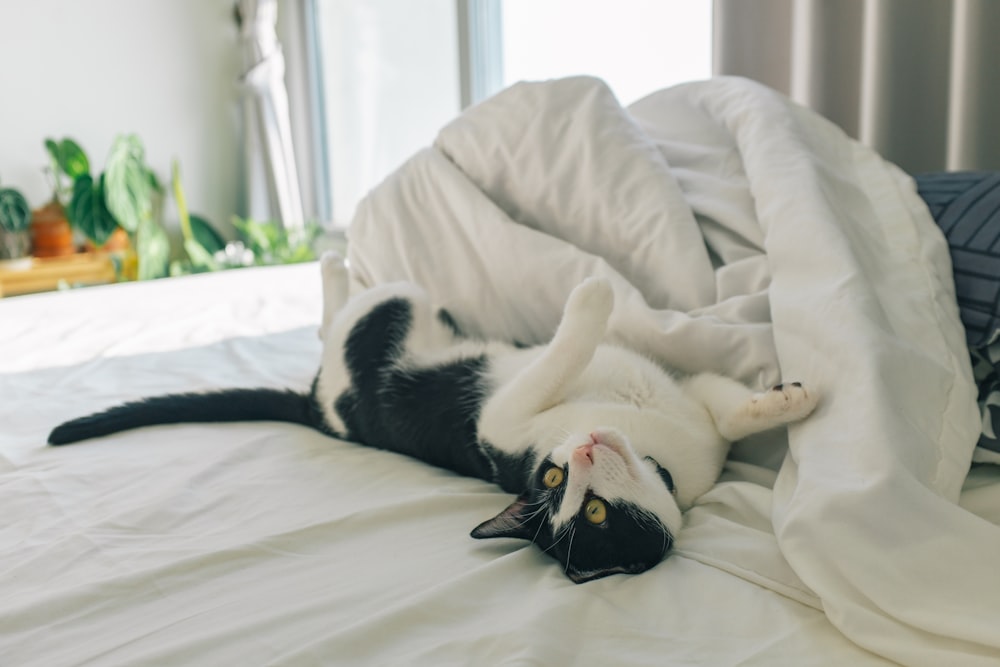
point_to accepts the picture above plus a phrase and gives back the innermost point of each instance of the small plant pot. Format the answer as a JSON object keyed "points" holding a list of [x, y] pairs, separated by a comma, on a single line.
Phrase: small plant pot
{"points": [[50, 232]]}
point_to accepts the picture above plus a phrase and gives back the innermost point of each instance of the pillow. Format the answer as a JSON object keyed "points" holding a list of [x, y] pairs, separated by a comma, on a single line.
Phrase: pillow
{"points": [[966, 205]]}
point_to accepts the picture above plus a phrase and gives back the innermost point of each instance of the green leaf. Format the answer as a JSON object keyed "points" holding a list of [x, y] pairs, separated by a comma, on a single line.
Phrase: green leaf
{"points": [[128, 191], [88, 212], [69, 157], [200, 257], [53, 148], [154, 182], [153, 249], [261, 237], [271, 243], [181, 200], [201, 242], [72, 160], [205, 234], [15, 213]]}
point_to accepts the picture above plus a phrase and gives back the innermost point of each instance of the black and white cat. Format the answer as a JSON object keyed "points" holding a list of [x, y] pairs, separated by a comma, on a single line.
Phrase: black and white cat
{"points": [[603, 447]]}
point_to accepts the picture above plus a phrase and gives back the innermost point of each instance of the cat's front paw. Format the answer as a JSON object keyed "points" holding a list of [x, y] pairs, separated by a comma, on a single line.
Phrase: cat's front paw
{"points": [[785, 402], [593, 299]]}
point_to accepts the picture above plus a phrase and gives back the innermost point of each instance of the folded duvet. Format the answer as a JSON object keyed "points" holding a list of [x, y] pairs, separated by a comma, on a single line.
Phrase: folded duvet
{"points": [[746, 235]]}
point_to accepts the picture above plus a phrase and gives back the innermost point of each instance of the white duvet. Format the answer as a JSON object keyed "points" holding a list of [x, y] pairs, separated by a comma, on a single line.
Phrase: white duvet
{"points": [[746, 235]]}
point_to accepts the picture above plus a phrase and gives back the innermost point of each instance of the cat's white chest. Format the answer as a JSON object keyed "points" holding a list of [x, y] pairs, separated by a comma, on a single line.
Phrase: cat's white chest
{"points": [[618, 376]]}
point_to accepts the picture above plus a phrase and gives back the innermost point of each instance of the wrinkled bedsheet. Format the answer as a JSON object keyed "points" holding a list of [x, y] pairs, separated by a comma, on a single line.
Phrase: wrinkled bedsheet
{"points": [[270, 544]]}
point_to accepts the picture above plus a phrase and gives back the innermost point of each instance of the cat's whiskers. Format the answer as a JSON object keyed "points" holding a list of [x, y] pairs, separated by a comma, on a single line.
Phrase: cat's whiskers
{"points": [[531, 516], [534, 538], [562, 534], [569, 550], [650, 519]]}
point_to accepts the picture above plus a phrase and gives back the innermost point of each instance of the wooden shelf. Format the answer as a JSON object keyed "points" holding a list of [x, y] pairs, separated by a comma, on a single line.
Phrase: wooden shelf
{"points": [[50, 273]]}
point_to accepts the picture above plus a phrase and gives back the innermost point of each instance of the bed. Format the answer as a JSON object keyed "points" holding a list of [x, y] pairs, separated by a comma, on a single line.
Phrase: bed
{"points": [[860, 537]]}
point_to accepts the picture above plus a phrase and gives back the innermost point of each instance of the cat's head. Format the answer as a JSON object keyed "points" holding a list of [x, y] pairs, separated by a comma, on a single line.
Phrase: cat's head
{"points": [[596, 507]]}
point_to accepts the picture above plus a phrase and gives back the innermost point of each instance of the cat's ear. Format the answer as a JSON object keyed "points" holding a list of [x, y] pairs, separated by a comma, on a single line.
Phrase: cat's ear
{"points": [[516, 521]]}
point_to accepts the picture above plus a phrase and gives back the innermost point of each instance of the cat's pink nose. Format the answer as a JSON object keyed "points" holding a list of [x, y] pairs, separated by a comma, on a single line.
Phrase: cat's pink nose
{"points": [[584, 454]]}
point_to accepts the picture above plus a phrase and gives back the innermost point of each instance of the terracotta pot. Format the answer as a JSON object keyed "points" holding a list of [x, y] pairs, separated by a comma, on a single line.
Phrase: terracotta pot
{"points": [[117, 243], [51, 234]]}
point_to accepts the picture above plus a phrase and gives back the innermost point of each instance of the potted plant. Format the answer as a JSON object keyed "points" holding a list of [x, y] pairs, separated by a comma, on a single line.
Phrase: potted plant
{"points": [[116, 209], [51, 232], [15, 238]]}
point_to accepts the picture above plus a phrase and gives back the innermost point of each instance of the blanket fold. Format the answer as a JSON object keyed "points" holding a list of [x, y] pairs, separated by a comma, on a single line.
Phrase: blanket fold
{"points": [[746, 235]]}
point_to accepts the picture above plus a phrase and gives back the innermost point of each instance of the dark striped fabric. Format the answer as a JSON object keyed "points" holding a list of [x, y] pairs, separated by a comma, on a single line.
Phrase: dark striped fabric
{"points": [[966, 205], [986, 370]]}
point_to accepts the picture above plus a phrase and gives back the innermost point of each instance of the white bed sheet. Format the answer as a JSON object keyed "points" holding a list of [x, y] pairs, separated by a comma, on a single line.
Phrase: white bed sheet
{"points": [[272, 544]]}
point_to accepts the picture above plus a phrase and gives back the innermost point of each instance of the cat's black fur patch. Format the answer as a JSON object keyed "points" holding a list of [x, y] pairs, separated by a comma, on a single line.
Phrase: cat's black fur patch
{"points": [[510, 470], [446, 319], [427, 413], [664, 474], [376, 340]]}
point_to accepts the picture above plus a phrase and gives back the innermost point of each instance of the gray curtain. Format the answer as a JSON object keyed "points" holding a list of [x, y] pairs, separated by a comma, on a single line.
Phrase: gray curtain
{"points": [[271, 179], [915, 79]]}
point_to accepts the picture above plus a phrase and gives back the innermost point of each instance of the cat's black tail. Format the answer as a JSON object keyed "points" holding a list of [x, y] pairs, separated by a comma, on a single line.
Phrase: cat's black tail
{"points": [[229, 405]]}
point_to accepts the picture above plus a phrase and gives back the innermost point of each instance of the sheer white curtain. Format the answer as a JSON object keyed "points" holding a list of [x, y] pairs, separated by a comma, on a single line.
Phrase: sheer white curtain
{"points": [[915, 79], [270, 179]]}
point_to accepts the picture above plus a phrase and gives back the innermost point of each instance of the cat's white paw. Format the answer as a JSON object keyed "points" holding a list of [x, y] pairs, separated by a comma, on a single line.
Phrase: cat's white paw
{"points": [[333, 268], [332, 263], [785, 402], [593, 299]]}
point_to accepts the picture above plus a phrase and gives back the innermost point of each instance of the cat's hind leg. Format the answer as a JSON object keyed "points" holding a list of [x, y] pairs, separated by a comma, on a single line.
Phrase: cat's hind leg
{"points": [[739, 412], [335, 287]]}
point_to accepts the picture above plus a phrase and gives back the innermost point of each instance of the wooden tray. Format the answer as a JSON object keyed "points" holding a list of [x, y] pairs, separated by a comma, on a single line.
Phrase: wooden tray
{"points": [[52, 272]]}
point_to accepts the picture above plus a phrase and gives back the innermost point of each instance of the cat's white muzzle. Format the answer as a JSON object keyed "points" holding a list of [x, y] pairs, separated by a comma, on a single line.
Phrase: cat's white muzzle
{"points": [[603, 464]]}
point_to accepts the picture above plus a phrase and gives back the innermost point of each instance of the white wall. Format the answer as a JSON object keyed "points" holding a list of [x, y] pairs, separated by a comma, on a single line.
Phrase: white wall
{"points": [[164, 69]]}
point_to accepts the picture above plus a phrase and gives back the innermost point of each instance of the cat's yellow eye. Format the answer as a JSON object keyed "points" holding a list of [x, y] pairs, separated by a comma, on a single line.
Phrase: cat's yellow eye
{"points": [[553, 477], [595, 511]]}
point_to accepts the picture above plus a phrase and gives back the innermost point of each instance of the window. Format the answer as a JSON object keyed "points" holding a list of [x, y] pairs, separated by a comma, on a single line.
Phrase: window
{"points": [[636, 46], [390, 80], [396, 71]]}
